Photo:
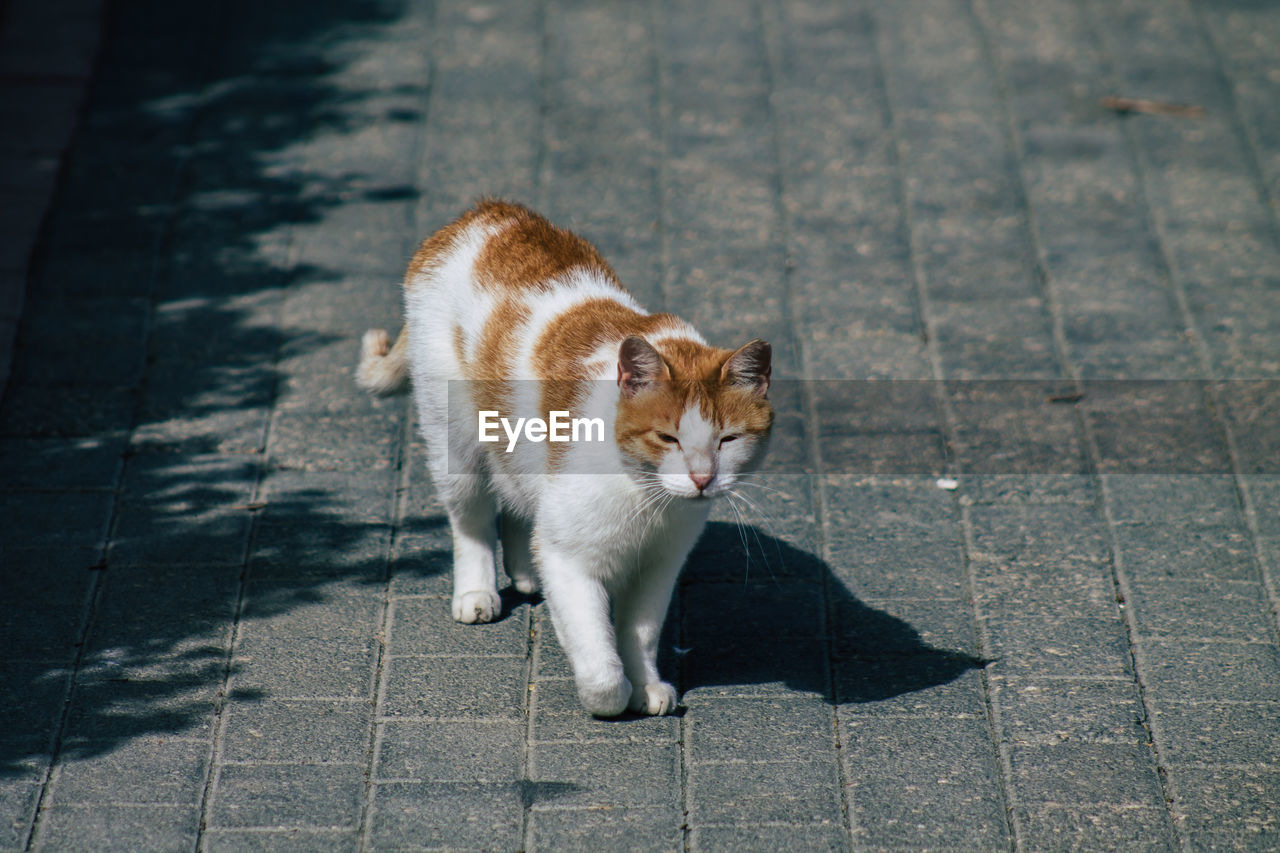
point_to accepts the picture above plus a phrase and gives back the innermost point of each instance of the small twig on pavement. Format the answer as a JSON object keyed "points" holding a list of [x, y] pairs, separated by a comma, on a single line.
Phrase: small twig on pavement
{"points": [[1158, 108]]}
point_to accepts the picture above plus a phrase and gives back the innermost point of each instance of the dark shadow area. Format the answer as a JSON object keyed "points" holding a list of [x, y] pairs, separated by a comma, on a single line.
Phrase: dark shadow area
{"points": [[151, 345], [781, 624]]}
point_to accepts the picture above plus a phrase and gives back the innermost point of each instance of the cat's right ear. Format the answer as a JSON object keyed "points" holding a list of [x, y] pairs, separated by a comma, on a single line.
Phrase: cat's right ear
{"points": [[639, 365]]}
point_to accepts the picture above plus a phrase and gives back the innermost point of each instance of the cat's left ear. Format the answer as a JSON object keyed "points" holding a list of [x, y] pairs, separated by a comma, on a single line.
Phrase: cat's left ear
{"points": [[639, 366], [749, 367]]}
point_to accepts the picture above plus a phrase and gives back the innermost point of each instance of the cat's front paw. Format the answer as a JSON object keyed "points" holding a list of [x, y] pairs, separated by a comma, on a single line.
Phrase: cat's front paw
{"points": [[482, 605], [606, 700], [656, 699]]}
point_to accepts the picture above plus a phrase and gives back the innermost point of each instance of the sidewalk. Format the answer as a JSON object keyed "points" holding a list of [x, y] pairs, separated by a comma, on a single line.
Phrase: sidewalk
{"points": [[225, 575]]}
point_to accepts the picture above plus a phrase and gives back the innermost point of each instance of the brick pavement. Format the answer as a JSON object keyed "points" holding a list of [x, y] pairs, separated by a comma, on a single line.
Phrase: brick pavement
{"points": [[226, 575]]}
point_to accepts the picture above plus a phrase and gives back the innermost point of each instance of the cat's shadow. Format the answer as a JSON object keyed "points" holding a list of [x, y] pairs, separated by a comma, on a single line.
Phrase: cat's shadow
{"points": [[786, 621]]}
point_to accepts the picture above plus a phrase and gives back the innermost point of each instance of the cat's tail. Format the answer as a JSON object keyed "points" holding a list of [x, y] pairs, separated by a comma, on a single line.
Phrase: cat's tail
{"points": [[383, 368]]}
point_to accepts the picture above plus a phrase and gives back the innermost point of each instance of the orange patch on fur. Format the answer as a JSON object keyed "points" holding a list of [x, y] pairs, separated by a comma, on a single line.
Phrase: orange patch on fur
{"points": [[490, 371], [529, 252]]}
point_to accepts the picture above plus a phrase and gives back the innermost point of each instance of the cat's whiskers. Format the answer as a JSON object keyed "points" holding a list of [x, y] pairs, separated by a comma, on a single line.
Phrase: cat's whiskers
{"points": [[772, 524], [653, 495], [748, 479], [742, 536]]}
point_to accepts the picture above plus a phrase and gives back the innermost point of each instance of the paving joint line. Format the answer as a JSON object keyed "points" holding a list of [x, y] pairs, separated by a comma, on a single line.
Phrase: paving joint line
{"points": [[951, 465], [772, 36]]}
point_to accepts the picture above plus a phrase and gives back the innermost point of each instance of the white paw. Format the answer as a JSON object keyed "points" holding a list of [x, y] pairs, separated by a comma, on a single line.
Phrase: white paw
{"points": [[657, 699], [525, 584], [521, 571], [482, 605], [607, 700]]}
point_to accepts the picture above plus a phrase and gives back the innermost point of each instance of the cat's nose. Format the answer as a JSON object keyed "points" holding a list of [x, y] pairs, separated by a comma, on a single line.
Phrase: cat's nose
{"points": [[700, 480]]}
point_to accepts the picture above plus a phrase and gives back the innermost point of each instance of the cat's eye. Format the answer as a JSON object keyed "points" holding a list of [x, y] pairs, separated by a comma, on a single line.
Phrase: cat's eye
{"points": [[669, 439], [723, 439]]}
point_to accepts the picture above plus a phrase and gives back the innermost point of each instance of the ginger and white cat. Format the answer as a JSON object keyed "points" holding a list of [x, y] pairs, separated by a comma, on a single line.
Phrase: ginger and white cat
{"points": [[506, 313]]}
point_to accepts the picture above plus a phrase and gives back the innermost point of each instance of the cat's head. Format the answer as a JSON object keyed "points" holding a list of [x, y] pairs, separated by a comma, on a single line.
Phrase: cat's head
{"points": [[692, 418]]}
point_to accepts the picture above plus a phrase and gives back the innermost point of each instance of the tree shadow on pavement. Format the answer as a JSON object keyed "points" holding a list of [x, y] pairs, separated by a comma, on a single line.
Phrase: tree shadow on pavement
{"points": [[191, 295]]}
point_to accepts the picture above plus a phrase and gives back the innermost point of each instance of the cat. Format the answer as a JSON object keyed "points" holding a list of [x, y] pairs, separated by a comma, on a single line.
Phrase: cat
{"points": [[508, 315]]}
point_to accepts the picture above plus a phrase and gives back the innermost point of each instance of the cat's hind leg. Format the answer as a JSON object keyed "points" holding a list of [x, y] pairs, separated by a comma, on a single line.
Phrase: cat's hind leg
{"points": [[472, 518], [517, 553]]}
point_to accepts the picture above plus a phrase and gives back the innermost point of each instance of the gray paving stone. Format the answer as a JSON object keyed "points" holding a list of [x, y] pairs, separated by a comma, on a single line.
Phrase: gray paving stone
{"points": [[67, 411], [39, 463], [145, 770], [457, 751], [1228, 610], [1185, 552], [100, 827], [919, 782], [733, 729], [302, 731], [1154, 428], [31, 697], [55, 584], [285, 795], [802, 792], [1051, 712], [916, 686], [1246, 410], [1216, 733], [44, 360], [1265, 493], [180, 534], [763, 838], [36, 519], [890, 563], [1221, 807], [231, 429], [648, 829], [1206, 671], [422, 564], [455, 687], [299, 496], [424, 626], [1014, 428], [18, 799], [1078, 773], [168, 698], [1038, 536], [445, 814], [1062, 646], [877, 630], [595, 774], [189, 479], [320, 841], [154, 607], [734, 666], [287, 610], [309, 442], [310, 668], [1067, 588], [1052, 827], [318, 547], [1203, 501]]}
